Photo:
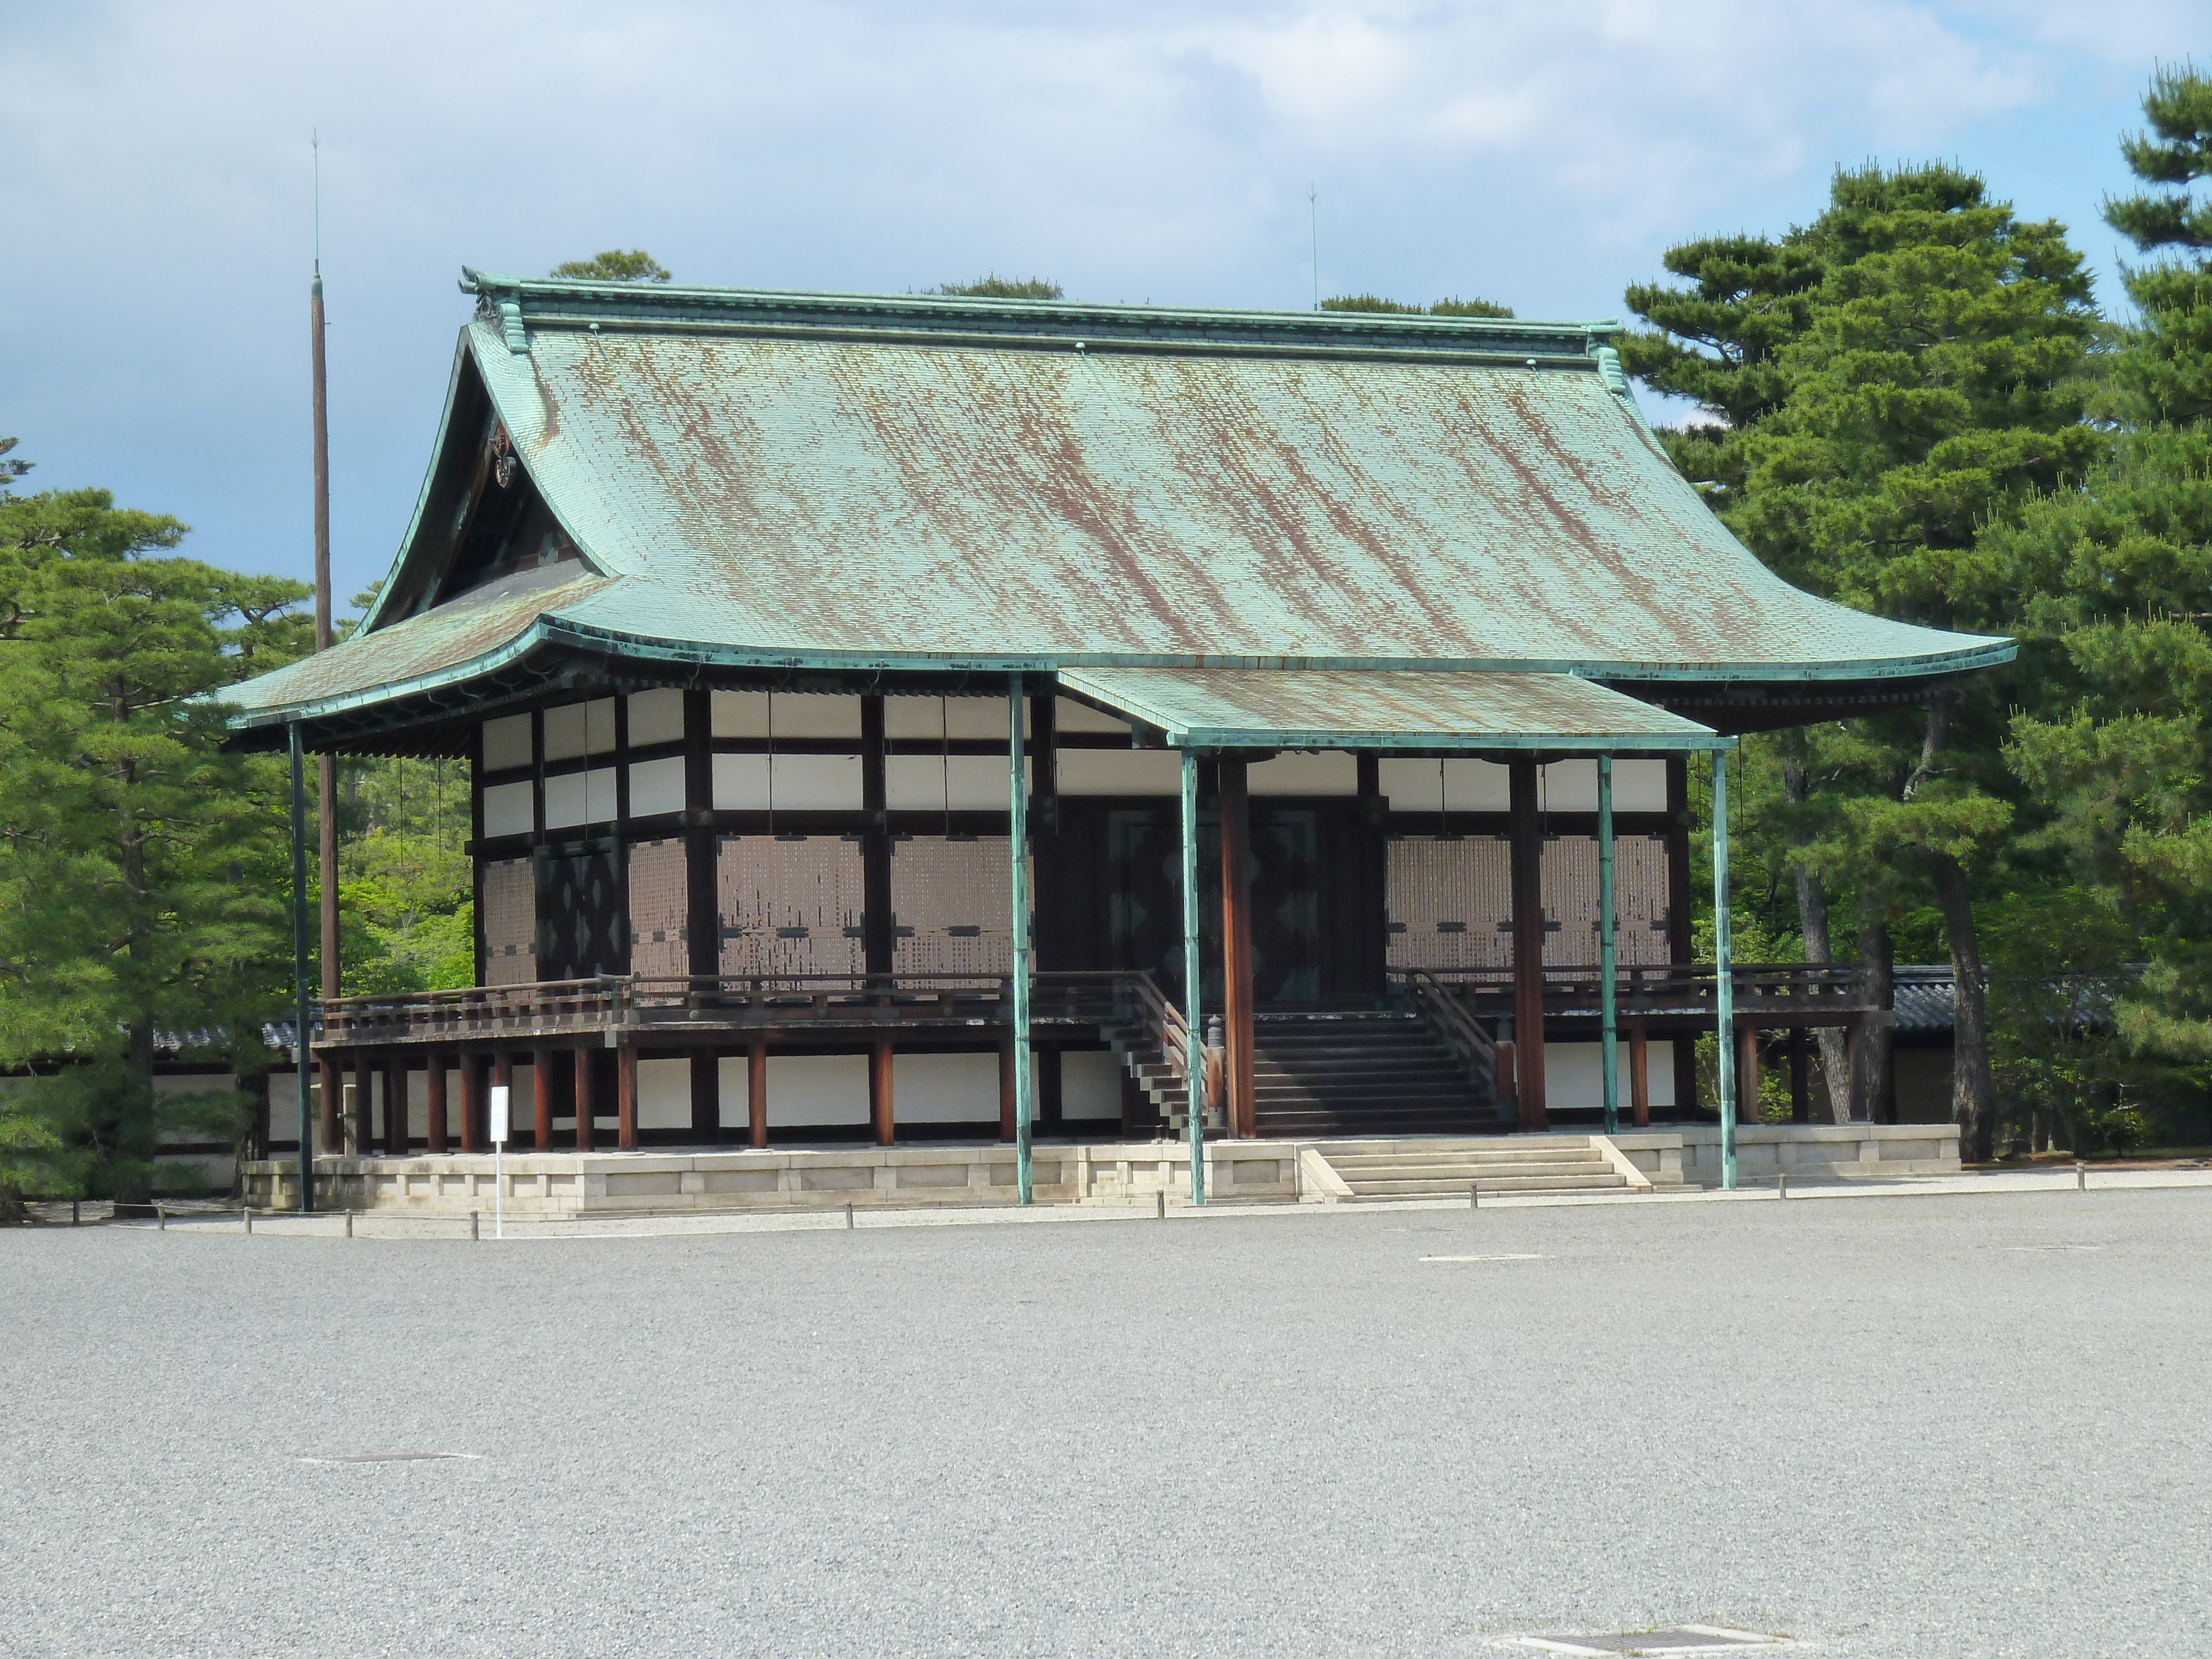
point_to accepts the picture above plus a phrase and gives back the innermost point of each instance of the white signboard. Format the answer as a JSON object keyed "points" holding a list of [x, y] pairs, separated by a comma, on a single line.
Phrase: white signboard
{"points": [[499, 1094]]}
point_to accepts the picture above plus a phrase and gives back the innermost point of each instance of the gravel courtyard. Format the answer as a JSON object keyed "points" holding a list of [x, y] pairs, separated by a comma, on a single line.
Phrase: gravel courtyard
{"points": [[1929, 1426]]}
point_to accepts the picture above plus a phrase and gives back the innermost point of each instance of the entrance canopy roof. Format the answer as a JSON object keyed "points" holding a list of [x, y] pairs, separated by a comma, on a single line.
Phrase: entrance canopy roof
{"points": [[1276, 708]]}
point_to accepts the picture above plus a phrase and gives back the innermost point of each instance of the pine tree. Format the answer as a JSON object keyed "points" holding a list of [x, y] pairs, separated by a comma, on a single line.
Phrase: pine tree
{"points": [[141, 885], [2118, 748]]}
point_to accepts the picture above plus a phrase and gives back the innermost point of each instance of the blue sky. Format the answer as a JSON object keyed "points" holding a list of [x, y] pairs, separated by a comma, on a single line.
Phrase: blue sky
{"points": [[152, 290]]}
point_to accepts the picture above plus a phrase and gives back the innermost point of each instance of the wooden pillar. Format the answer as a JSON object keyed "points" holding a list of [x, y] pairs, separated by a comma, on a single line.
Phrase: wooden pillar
{"points": [[1527, 831], [433, 1103], [1237, 940], [1747, 1074], [587, 1106], [541, 1099], [1639, 1074], [1801, 1077], [472, 1101], [330, 1130], [1005, 1091], [756, 1092], [879, 1091], [364, 1101], [626, 1096], [395, 1103]]}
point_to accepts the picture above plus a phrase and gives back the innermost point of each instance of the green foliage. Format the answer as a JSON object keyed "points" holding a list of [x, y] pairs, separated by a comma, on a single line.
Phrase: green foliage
{"points": [[1441, 308], [614, 265], [994, 287], [141, 866]]}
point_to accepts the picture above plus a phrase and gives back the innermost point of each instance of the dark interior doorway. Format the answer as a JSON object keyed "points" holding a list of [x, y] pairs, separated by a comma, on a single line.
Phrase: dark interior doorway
{"points": [[581, 927]]}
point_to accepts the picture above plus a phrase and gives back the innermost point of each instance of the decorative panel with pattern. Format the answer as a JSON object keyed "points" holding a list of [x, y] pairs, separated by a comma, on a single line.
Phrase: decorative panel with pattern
{"points": [[1639, 896], [659, 903], [951, 906], [1449, 902], [510, 922], [791, 904]]}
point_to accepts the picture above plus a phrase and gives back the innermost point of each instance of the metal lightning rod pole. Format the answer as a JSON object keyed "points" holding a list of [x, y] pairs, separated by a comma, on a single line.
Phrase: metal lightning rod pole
{"points": [[327, 766], [1018, 820], [1194, 1053], [1723, 971], [1609, 1033]]}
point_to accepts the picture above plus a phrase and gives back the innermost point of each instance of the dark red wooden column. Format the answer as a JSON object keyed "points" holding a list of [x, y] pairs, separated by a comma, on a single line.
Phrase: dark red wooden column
{"points": [[626, 1096], [880, 1109], [331, 1132], [1005, 1091], [587, 1106], [364, 1101], [1527, 830], [1236, 941], [541, 1098], [472, 1101], [1747, 1074], [1678, 919], [1639, 1074], [433, 1103], [395, 1103], [757, 1093]]}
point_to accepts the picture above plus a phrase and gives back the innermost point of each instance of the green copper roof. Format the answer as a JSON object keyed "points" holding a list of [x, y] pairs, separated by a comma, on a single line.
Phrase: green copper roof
{"points": [[1317, 709], [795, 480]]}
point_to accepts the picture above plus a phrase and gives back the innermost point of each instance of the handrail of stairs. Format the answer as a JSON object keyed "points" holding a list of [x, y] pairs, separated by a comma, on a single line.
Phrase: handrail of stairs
{"points": [[1162, 1021], [1444, 1014]]}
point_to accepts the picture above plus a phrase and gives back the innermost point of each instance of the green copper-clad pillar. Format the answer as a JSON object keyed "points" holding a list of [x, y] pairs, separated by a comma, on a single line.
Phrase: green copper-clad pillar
{"points": [[1723, 971], [304, 1031], [1195, 1053], [1017, 837], [1609, 1033]]}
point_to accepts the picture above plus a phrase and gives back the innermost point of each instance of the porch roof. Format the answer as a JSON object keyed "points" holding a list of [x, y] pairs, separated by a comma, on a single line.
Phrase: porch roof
{"points": [[1319, 708]]}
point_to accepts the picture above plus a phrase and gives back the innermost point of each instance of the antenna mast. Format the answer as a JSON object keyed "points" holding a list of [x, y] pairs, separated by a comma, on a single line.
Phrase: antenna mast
{"points": [[1313, 223]]}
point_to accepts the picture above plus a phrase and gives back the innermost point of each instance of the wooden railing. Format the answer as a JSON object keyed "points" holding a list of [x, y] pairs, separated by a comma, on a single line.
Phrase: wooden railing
{"points": [[1446, 1016], [1780, 992], [1143, 1004], [741, 1002]]}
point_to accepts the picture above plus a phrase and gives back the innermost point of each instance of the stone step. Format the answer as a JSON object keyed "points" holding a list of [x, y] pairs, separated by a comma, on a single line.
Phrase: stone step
{"points": [[1446, 1176], [1355, 1158], [1495, 1184]]}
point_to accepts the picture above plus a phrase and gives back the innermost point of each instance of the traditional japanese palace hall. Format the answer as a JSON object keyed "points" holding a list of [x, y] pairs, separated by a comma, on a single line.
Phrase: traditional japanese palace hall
{"points": [[890, 717]]}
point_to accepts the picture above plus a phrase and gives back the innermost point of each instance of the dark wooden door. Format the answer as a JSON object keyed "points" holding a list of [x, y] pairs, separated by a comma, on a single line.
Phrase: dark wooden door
{"points": [[582, 928], [1145, 854]]}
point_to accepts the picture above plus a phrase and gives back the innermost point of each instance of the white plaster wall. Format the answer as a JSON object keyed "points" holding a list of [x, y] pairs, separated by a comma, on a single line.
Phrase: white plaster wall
{"points": [[656, 717], [1090, 1085], [664, 1093], [521, 1111], [1120, 772], [578, 729], [506, 743], [1306, 772], [917, 783], [941, 717], [1070, 716], [578, 798], [1574, 1074], [802, 1089], [656, 786], [507, 809], [1478, 786], [802, 782], [796, 715], [944, 1087]]}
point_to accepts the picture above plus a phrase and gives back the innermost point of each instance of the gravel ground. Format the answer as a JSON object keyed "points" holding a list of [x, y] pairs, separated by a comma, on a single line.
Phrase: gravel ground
{"points": [[1930, 1426]]}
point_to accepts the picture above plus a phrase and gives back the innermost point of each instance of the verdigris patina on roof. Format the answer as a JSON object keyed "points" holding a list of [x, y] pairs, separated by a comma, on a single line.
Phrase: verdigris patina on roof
{"points": [[777, 482]]}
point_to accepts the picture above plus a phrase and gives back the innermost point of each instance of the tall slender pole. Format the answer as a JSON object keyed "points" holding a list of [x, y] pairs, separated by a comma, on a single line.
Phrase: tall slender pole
{"points": [[1194, 1054], [326, 770], [1018, 848], [1609, 1052], [1723, 971], [303, 1028]]}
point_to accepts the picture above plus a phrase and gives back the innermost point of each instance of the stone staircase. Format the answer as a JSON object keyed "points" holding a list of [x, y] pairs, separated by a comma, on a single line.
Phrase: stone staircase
{"points": [[1546, 1163], [1365, 1073]]}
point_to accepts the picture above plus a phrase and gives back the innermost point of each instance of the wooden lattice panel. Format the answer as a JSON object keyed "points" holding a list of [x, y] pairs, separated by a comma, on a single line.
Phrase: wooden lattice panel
{"points": [[1449, 902], [510, 922], [659, 907], [950, 906], [791, 905]]}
